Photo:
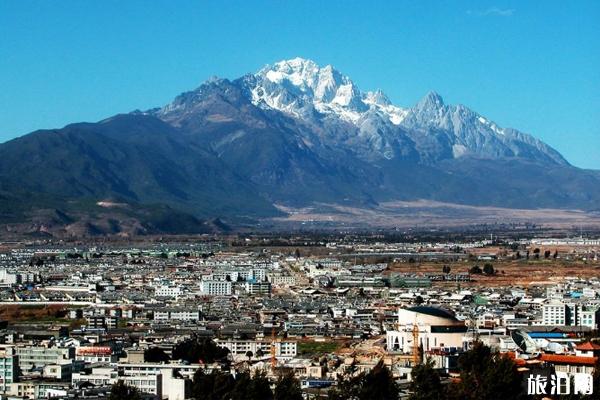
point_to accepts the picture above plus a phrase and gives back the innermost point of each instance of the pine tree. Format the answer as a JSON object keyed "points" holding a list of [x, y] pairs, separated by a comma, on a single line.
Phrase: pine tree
{"points": [[377, 384], [485, 374], [122, 391], [287, 388], [426, 383]]}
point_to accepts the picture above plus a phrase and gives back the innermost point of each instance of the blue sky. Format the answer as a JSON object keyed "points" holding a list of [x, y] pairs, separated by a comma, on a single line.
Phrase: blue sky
{"points": [[531, 65]]}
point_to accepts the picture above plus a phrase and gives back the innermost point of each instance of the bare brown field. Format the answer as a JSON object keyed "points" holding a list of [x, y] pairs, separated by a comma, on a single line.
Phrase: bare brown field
{"points": [[508, 273], [434, 214]]}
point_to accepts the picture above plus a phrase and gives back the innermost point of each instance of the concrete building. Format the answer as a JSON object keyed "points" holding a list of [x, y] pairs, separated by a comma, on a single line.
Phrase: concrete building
{"points": [[179, 314], [168, 291], [281, 279], [31, 357], [569, 314], [238, 348], [436, 328], [95, 354], [258, 288], [215, 288], [9, 367]]}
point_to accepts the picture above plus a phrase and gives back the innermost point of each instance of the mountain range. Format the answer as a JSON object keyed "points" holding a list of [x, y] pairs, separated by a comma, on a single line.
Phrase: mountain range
{"points": [[292, 135]]}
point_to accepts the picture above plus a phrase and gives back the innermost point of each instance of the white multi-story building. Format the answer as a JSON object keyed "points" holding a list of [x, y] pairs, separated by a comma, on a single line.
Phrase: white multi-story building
{"points": [[569, 314], [253, 287], [8, 367], [100, 376], [7, 278], [40, 356], [179, 314], [258, 274], [215, 288], [279, 279], [168, 291], [554, 313], [105, 376], [284, 350], [13, 278]]}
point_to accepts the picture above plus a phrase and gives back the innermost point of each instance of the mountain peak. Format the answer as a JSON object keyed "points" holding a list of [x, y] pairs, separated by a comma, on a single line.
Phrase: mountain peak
{"points": [[305, 74], [377, 97], [432, 100], [297, 63]]}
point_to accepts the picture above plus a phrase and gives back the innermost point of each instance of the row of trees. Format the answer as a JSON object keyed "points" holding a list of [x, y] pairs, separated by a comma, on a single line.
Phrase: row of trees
{"points": [[224, 386], [484, 374], [193, 350], [488, 269], [536, 254], [202, 350], [378, 383]]}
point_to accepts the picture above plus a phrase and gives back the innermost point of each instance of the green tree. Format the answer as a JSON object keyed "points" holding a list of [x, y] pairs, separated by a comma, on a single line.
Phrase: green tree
{"points": [[287, 388], [547, 254], [426, 383], [485, 374], [247, 387], [476, 269], [377, 384], [122, 391], [155, 355], [199, 349], [488, 269], [214, 386]]}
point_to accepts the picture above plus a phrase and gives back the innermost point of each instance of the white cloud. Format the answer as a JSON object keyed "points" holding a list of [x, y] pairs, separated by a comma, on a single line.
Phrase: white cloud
{"points": [[493, 11]]}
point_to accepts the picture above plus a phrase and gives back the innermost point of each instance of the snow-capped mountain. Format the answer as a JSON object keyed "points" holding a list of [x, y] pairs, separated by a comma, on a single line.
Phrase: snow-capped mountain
{"points": [[300, 87], [292, 134], [473, 134], [324, 97]]}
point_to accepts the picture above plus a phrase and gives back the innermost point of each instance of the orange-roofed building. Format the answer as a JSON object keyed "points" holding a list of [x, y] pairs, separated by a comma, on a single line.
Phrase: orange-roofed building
{"points": [[588, 349], [570, 364]]}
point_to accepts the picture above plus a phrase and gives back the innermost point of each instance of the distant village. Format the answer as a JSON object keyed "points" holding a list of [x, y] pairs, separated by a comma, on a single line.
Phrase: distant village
{"points": [[75, 321]]}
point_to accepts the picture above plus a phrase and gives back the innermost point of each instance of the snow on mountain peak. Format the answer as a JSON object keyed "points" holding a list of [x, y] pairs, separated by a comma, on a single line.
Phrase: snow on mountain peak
{"points": [[324, 97], [432, 100], [299, 86]]}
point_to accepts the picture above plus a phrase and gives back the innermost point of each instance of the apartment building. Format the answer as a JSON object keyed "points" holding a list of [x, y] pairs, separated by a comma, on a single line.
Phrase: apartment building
{"points": [[215, 288]]}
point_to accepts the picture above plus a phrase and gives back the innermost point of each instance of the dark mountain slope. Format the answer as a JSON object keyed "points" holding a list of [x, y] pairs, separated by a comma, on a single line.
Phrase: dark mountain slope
{"points": [[293, 134], [134, 157], [267, 147]]}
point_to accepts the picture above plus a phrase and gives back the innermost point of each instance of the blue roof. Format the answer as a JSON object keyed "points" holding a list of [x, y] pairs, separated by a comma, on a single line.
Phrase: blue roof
{"points": [[543, 335]]}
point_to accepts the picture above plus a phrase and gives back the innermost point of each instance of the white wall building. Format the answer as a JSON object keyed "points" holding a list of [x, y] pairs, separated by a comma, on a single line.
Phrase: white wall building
{"points": [[215, 288], [168, 291], [437, 328], [179, 314], [284, 350]]}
